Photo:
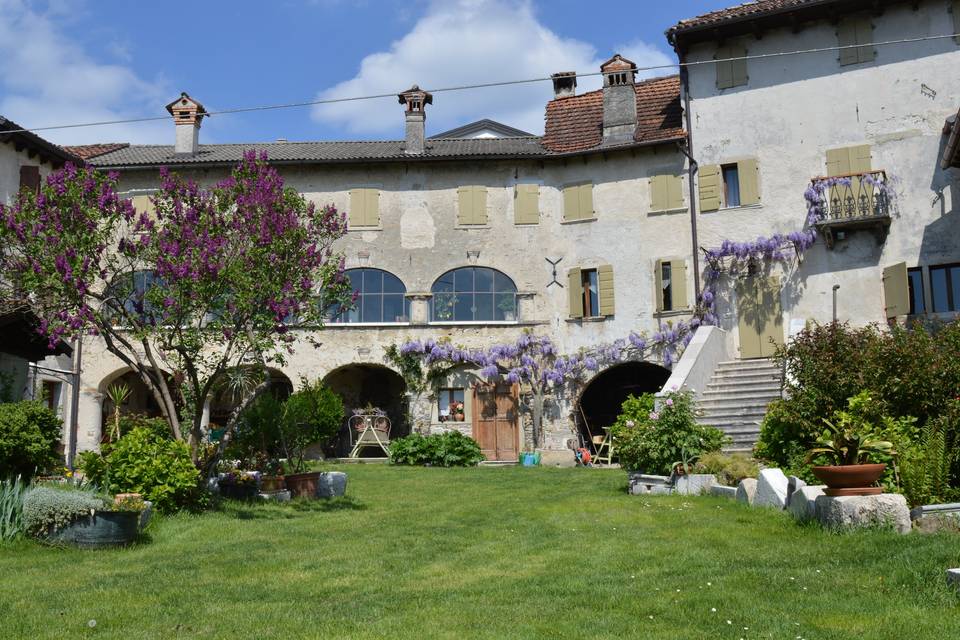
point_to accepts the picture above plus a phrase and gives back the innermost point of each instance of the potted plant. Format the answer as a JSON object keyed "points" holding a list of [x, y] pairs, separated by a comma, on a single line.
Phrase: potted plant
{"points": [[849, 442], [272, 479], [238, 484], [311, 415], [456, 410], [77, 515]]}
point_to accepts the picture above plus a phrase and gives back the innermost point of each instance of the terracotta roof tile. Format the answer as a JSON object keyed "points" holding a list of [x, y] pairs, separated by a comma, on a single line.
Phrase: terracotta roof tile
{"points": [[576, 123], [87, 151], [746, 10]]}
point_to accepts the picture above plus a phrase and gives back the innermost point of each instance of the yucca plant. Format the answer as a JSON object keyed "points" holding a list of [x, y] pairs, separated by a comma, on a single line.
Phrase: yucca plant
{"points": [[118, 394], [11, 508]]}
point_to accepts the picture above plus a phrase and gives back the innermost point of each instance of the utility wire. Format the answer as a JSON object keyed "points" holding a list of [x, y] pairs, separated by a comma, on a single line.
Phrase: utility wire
{"points": [[486, 85]]}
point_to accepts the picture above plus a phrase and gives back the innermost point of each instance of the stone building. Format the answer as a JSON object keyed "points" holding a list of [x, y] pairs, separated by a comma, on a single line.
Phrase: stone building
{"points": [[602, 225]]}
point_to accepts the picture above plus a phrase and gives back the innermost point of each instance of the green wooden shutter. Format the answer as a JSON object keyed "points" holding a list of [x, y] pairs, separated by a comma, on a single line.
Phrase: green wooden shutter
{"points": [[479, 197], [571, 203], [749, 174], [575, 292], [896, 292], [847, 37], [605, 281], [738, 68], [585, 196], [674, 192], [526, 204], [724, 69], [709, 180], [357, 206], [464, 206], [658, 283], [371, 207], [864, 29], [658, 193], [955, 10], [678, 284]]}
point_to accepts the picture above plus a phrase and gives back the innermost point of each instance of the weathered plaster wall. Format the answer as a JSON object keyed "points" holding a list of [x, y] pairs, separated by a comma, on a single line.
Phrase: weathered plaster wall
{"points": [[10, 162]]}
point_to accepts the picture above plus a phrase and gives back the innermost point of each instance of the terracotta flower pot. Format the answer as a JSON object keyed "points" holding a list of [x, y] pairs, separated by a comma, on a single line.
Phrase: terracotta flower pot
{"points": [[303, 485], [851, 479], [270, 484]]}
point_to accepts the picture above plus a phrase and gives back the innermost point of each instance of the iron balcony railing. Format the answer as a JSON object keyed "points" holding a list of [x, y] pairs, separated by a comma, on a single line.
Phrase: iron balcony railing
{"points": [[855, 196]]}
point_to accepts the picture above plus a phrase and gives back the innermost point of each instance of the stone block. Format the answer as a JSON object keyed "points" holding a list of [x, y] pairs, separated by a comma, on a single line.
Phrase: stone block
{"points": [[661, 490], [793, 483], [747, 490], [803, 502], [642, 484], [694, 484], [723, 491], [146, 514], [939, 509], [276, 496], [771, 489], [333, 484], [937, 522], [884, 510], [953, 577]]}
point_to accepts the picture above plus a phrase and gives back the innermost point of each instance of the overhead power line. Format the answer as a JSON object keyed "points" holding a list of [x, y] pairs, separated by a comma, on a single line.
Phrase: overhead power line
{"points": [[484, 85]]}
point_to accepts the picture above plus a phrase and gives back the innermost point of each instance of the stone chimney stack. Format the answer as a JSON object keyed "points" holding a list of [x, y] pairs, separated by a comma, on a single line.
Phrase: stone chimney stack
{"points": [[416, 101], [564, 84], [187, 114], [619, 100]]}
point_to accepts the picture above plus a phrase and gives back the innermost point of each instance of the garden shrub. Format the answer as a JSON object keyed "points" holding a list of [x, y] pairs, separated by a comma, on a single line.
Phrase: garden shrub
{"points": [[29, 437], [159, 469], [157, 426], [258, 430], [47, 507], [652, 441], [449, 449], [730, 469], [312, 415]]}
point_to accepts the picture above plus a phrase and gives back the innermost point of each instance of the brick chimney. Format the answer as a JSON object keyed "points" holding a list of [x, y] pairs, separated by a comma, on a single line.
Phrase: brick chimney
{"points": [[564, 84], [416, 101], [619, 100], [187, 114]]}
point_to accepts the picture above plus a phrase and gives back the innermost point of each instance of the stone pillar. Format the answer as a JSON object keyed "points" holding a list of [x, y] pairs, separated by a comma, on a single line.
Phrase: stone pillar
{"points": [[526, 310], [419, 307]]}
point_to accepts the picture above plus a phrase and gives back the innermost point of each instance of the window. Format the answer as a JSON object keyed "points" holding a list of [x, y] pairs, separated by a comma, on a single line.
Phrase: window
{"points": [[591, 293], [666, 193], [855, 31], [51, 390], [578, 202], [450, 404], [30, 178], [380, 297], [945, 288], [671, 284], [731, 185], [130, 291], [915, 287], [364, 207], [666, 299], [472, 206], [731, 73], [474, 294]]}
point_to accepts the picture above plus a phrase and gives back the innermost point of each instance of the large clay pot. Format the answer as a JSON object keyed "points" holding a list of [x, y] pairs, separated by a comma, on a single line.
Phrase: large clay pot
{"points": [[303, 485], [851, 479], [271, 484], [102, 529], [242, 491]]}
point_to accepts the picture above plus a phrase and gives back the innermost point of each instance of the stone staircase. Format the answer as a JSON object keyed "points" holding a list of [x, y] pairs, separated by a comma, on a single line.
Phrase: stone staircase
{"points": [[736, 399]]}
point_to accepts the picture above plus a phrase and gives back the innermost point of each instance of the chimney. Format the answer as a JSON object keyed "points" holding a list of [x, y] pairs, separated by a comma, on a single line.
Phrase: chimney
{"points": [[619, 100], [416, 100], [187, 114], [564, 84]]}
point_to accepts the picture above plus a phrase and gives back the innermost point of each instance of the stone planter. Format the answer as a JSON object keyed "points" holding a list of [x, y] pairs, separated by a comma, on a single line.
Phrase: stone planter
{"points": [[303, 485], [850, 480], [102, 529], [271, 484], [333, 484], [242, 491]]}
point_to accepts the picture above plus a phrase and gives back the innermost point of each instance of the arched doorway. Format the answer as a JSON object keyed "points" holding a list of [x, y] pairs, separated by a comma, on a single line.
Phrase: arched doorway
{"points": [[599, 403], [229, 394], [365, 384], [139, 400]]}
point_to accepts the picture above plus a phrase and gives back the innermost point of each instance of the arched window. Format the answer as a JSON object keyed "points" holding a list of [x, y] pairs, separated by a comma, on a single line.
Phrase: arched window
{"points": [[380, 298], [474, 294], [129, 291]]}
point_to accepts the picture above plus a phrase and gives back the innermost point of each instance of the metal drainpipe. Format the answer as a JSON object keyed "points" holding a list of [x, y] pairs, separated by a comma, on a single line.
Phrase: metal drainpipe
{"points": [[75, 402], [685, 83]]}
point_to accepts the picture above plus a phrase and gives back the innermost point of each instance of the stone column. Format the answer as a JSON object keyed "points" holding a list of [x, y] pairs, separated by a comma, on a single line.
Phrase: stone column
{"points": [[526, 310], [419, 307]]}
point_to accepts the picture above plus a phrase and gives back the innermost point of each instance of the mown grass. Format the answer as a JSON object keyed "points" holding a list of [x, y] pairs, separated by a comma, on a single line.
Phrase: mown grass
{"points": [[486, 553]]}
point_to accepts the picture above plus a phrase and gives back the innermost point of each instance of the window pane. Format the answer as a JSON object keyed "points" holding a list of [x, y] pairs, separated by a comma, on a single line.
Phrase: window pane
{"points": [[443, 304], [938, 285], [484, 279], [443, 283], [666, 288], [463, 307], [955, 288], [731, 183], [594, 300], [392, 284], [353, 315], [506, 306], [484, 306], [503, 283], [393, 308], [463, 279], [372, 281], [915, 284], [371, 309]]}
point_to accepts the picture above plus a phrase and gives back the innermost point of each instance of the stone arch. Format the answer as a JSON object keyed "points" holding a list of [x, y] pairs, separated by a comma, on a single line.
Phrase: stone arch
{"points": [[598, 403], [225, 400], [360, 383], [140, 400]]}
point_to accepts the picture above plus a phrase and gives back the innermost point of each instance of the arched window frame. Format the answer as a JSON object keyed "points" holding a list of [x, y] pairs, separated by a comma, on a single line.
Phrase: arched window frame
{"points": [[462, 296], [364, 308]]}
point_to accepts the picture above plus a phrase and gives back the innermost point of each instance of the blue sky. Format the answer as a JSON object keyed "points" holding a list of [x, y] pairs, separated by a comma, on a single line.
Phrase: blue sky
{"points": [[67, 61]]}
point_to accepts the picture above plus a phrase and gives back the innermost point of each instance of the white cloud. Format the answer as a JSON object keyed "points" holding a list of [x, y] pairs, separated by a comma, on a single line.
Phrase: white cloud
{"points": [[470, 42], [47, 78]]}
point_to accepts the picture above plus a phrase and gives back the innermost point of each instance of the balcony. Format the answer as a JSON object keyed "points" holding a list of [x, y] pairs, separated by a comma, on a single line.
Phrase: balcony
{"points": [[853, 202]]}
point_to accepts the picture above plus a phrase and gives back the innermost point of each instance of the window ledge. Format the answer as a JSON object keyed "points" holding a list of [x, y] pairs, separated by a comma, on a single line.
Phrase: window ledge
{"points": [[673, 312], [578, 220], [467, 227], [363, 325], [759, 205], [526, 224], [660, 212], [589, 319], [474, 323], [358, 229]]}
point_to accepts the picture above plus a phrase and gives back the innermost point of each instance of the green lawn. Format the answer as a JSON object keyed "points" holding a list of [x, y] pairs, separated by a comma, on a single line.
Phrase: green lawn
{"points": [[489, 553]]}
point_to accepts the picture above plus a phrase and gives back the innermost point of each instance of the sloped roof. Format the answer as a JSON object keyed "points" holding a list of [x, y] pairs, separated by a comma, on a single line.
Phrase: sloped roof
{"points": [[575, 123], [87, 151], [481, 125], [746, 10], [46, 150]]}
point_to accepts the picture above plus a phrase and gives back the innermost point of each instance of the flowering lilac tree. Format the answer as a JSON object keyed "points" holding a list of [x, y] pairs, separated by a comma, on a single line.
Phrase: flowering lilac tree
{"points": [[208, 283], [535, 362]]}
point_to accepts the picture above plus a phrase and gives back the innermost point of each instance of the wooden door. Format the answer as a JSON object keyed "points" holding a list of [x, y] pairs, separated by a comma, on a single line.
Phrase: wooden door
{"points": [[760, 317], [495, 418]]}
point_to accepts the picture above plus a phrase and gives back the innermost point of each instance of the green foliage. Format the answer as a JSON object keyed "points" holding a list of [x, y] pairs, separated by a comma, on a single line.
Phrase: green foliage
{"points": [[141, 462], [730, 469], [410, 368], [29, 435], [652, 441], [311, 415], [449, 449], [258, 430], [928, 461], [854, 435], [157, 426], [47, 507], [11, 508]]}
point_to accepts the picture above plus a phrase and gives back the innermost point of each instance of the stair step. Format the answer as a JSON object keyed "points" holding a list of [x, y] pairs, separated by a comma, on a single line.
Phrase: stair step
{"points": [[742, 394], [761, 363], [745, 381], [731, 404]]}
